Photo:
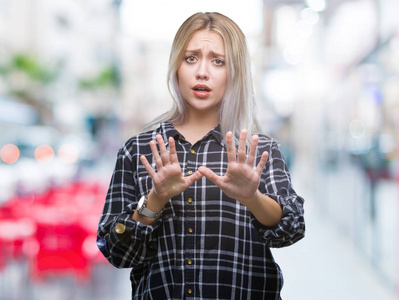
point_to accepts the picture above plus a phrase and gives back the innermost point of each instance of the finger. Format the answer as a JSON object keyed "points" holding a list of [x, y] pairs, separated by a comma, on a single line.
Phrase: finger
{"points": [[208, 173], [241, 153], [157, 158], [193, 178], [172, 151], [262, 162], [231, 152], [147, 166], [163, 150], [252, 151]]}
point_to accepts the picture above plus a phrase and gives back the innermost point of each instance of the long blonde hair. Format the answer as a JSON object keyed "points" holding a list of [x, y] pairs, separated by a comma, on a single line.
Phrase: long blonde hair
{"points": [[237, 110]]}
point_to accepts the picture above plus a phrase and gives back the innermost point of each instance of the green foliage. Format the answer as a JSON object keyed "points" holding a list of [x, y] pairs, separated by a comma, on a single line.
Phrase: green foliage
{"points": [[29, 65], [107, 78]]}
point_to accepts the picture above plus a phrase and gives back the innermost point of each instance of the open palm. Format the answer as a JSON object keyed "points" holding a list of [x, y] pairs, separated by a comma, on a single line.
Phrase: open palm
{"points": [[242, 178], [168, 180]]}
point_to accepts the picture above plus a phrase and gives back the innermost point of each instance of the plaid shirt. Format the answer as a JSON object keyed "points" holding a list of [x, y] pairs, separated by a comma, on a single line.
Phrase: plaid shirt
{"points": [[205, 245]]}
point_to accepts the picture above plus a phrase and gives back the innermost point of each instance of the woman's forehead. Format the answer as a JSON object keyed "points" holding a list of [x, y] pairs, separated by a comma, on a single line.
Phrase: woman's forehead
{"points": [[206, 40]]}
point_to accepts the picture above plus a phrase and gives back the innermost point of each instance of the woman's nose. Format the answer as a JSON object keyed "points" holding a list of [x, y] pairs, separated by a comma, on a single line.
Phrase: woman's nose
{"points": [[202, 72]]}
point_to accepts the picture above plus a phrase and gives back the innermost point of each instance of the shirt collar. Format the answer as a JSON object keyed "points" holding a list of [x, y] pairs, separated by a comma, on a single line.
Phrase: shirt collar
{"points": [[168, 130], [217, 134]]}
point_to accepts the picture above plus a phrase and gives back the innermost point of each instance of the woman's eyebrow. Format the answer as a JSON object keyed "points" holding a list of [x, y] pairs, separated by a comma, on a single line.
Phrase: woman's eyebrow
{"points": [[198, 51]]}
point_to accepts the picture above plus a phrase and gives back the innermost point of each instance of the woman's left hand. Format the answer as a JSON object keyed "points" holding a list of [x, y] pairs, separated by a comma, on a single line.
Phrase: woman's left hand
{"points": [[242, 178]]}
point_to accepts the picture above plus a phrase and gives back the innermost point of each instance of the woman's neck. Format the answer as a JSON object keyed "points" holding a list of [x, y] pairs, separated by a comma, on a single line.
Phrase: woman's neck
{"points": [[195, 128]]}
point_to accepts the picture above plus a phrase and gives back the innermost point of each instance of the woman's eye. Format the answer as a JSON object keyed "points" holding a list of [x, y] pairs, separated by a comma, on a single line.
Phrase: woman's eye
{"points": [[218, 62], [190, 59]]}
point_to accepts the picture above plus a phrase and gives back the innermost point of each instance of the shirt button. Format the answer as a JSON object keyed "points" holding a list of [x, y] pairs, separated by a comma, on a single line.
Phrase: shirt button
{"points": [[190, 230], [120, 228], [192, 151], [190, 262], [190, 291], [190, 200], [190, 172]]}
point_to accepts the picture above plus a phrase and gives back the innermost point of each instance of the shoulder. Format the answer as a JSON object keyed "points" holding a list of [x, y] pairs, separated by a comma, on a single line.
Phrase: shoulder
{"points": [[267, 141], [269, 144], [138, 144], [143, 137]]}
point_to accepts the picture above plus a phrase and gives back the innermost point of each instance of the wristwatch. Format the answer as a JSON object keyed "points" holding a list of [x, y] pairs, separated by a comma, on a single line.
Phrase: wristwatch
{"points": [[142, 210]]}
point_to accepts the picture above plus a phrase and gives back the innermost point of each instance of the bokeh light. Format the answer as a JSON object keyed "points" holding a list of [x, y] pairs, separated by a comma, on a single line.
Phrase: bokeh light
{"points": [[44, 154], [9, 153]]}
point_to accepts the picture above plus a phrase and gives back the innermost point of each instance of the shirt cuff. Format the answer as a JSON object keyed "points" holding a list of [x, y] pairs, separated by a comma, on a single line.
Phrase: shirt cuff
{"points": [[126, 230]]}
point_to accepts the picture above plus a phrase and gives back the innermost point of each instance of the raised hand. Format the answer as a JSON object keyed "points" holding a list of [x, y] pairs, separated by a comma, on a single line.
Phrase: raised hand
{"points": [[168, 180], [242, 178]]}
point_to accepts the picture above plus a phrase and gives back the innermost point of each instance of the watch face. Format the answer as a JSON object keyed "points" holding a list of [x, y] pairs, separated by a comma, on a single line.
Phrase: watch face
{"points": [[141, 202], [141, 205]]}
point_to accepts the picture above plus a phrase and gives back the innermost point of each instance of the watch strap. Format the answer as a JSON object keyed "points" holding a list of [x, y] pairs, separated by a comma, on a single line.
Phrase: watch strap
{"points": [[142, 210]]}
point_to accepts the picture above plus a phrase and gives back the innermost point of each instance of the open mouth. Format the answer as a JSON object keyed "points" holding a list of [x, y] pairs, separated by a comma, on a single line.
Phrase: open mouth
{"points": [[201, 90]]}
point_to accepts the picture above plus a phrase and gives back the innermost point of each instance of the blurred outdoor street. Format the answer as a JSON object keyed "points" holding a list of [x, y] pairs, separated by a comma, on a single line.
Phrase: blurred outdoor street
{"points": [[78, 78]]}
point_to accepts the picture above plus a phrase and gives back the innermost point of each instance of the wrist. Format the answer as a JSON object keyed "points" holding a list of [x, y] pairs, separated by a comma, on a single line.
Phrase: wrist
{"points": [[154, 202], [251, 201], [143, 210], [265, 209]]}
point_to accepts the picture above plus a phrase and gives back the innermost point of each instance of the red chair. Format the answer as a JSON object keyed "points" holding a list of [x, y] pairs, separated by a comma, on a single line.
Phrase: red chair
{"points": [[60, 252]]}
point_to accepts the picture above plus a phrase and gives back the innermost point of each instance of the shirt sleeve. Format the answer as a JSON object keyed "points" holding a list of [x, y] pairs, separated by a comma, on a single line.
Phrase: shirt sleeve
{"points": [[124, 242], [276, 183]]}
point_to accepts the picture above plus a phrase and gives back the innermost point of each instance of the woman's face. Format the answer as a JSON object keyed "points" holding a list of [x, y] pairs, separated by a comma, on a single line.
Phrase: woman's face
{"points": [[202, 76]]}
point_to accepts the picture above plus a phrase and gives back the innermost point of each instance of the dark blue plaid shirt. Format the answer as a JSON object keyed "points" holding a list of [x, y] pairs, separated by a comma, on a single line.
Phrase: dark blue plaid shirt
{"points": [[206, 245]]}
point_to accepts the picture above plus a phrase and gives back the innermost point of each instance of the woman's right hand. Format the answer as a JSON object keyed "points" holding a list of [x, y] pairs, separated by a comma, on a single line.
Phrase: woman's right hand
{"points": [[168, 180]]}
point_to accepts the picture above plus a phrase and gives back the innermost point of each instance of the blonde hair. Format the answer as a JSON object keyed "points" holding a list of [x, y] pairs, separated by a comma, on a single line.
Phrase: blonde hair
{"points": [[237, 110]]}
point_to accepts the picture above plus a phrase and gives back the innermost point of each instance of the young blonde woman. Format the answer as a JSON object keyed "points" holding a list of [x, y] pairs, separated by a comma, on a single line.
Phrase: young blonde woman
{"points": [[194, 205]]}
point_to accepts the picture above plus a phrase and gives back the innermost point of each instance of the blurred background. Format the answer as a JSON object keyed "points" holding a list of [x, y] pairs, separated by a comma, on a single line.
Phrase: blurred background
{"points": [[78, 78]]}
